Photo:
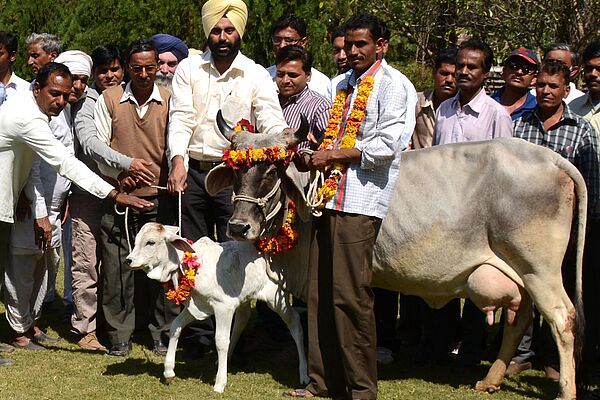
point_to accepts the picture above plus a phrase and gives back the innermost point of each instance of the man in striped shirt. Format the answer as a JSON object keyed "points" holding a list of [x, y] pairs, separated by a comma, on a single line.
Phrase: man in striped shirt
{"points": [[554, 125], [293, 74]]}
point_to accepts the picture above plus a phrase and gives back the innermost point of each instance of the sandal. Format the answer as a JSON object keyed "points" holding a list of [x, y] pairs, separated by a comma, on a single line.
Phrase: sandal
{"points": [[300, 393]]}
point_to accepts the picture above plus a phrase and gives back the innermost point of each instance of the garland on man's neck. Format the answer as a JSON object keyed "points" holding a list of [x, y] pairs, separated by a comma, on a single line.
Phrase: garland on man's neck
{"points": [[348, 140]]}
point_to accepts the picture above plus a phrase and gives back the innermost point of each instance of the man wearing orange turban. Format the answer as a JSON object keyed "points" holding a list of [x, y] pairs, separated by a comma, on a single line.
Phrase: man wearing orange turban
{"points": [[223, 79]]}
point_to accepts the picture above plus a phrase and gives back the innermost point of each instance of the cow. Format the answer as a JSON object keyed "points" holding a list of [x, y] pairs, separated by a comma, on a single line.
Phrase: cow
{"points": [[230, 276], [461, 216]]}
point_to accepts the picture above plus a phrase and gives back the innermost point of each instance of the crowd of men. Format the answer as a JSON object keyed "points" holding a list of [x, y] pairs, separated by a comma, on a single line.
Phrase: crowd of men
{"points": [[132, 147]]}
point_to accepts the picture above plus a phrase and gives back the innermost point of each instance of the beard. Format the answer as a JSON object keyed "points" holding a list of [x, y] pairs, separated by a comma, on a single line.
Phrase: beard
{"points": [[165, 81]]}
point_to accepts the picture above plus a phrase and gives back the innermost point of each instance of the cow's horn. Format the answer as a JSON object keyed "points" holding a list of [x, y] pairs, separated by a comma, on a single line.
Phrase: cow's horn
{"points": [[225, 129], [301, 133]]}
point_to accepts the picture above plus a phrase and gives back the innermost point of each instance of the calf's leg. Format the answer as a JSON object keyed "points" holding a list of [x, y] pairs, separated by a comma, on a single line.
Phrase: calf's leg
{"points": [[177, 326], [223, 319], [242, 315]]}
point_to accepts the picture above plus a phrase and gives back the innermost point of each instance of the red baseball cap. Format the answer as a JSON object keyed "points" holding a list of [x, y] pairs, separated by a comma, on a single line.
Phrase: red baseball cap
{"points": [[529, 55]]}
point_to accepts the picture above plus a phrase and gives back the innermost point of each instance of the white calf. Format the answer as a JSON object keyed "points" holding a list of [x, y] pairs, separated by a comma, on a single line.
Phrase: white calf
{"points": [[231, 275]]}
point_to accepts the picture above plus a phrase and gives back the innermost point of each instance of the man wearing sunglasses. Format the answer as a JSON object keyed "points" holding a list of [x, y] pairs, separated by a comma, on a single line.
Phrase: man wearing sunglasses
{"points": [[519, 72], [289, 30]]}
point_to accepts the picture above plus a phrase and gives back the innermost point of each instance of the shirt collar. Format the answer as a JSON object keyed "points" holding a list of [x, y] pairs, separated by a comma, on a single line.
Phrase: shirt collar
{"points": [[12, 82], [476, 103], [428, 99], [296, 97], [353, 80], [128, 95], [567, 114], [238, 64]]}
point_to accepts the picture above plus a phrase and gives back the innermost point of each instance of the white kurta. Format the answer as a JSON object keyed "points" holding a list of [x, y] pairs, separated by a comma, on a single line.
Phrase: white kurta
{"points": [[51, 190]]}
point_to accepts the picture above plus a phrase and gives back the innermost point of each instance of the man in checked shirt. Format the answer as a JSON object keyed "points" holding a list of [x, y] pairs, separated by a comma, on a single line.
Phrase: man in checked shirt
{"points": [[554, 125]]}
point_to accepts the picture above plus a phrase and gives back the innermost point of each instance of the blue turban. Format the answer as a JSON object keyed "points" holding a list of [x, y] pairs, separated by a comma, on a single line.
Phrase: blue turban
{"points": [[165, 42]]}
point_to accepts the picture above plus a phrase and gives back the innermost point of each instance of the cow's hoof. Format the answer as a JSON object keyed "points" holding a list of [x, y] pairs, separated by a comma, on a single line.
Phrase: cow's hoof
{"points": [[219, 388], [168, 380], [483, 386]]}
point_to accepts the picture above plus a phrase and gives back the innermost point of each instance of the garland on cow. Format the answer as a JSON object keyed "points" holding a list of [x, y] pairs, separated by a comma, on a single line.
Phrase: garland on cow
{"points": [[287, 236], [186, 278]]}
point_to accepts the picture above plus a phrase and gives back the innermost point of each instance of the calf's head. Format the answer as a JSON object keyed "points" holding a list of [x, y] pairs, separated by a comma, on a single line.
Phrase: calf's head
{"points": [[156, 251], [260, 189]]}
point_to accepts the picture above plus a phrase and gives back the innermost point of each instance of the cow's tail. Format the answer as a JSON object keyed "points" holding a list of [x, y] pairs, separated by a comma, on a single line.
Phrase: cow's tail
{"points": [[582, 202]]}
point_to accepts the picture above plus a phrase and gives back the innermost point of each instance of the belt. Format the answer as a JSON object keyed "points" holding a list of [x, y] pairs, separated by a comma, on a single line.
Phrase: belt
{"points": [[202, 165]]}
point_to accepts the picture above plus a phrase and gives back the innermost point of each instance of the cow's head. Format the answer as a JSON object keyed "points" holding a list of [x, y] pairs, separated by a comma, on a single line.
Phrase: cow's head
{"points": [[259, 190], [156, 251]]}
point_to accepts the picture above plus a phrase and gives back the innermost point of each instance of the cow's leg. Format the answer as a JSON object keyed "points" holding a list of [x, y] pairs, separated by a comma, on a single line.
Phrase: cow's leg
{"points": [[242, 315], [223, 319], [182, 320], [511, 337], [556, 307], [279, 303]]}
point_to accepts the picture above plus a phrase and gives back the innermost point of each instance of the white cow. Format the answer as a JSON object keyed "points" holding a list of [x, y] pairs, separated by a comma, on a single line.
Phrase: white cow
{"points": [[486, 220], [231, 275]]}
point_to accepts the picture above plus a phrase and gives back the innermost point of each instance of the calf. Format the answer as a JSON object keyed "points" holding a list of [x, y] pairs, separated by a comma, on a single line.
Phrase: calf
{"points": [[231, 275]]}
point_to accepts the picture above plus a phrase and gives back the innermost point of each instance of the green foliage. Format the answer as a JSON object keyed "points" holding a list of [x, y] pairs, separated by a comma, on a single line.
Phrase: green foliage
{"points": [[420, 27]]}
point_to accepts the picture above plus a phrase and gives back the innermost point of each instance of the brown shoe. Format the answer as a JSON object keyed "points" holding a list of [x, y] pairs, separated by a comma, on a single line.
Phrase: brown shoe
{"points": [[552, 373], [90, 342], [516, 367]]}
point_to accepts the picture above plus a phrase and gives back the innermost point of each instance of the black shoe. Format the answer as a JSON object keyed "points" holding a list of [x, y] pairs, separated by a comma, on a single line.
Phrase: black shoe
{"points": [[43, 338], [120, 349], [31, 345], [5, 362], [6, 348], [159, 348]]}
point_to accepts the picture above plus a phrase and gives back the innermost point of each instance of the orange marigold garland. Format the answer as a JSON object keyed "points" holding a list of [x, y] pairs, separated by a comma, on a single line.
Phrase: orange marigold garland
{"points": [[353, 123], [187, 279], [240, 158], [287, 237]]}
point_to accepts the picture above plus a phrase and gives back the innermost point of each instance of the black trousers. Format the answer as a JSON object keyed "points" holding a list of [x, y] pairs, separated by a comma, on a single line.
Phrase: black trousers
{"points": [[122, 287]]}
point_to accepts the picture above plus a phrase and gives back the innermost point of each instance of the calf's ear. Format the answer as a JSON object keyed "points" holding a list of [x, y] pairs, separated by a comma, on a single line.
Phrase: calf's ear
{"points": [[177, 241], [218, 179]]}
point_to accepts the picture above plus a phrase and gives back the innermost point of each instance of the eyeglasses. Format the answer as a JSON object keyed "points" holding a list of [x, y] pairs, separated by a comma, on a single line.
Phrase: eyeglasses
{"points": [[139, 68], [171, 64], [286, 40], [515, 66]]}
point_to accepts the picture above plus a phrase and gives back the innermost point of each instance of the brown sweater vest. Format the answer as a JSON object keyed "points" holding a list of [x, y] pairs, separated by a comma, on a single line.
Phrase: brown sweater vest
{"points": [[137, 137]]}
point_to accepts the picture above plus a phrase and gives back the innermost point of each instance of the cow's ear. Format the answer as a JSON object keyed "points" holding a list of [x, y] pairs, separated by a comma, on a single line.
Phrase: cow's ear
{"points": [[295, 136], [218, 179], [172, 237], [294, 183]]}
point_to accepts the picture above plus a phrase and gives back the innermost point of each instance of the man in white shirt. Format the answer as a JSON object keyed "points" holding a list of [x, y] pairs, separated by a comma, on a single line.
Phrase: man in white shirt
{"points": [[290, 29], [223, 79], [31, 272], [24, 131], [8, 54]]}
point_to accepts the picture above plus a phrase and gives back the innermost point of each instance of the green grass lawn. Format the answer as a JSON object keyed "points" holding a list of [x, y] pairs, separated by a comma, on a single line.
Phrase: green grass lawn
{"points": [[262, 371]]}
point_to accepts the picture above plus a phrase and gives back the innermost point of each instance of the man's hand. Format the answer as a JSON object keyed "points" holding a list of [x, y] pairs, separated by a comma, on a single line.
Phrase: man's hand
{"points": [[126, 183], [127, 200], [178, 176], [320, 159], [43, 232], [23, 209], [140, 173]]}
